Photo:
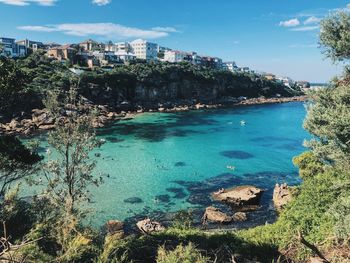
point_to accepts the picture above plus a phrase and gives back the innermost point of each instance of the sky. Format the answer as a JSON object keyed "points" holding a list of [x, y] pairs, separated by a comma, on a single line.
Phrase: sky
{"points": [[277, 36]]}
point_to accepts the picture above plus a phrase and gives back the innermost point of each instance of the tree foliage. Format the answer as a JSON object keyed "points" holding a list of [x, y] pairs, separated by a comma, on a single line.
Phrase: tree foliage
{"points": [[12, 82], [328, 118], [16, 161], [335, 36]]}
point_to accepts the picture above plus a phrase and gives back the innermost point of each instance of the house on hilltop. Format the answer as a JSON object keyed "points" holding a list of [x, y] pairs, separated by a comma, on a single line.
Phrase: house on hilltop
{"points": [[65, 52]]}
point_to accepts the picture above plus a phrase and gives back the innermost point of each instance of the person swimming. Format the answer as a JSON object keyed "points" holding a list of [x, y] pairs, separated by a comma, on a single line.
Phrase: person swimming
{"points": [[231, 167]]}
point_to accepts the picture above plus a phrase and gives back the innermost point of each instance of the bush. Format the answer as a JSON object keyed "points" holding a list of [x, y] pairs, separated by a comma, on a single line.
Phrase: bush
{"points": [[181, 254]]}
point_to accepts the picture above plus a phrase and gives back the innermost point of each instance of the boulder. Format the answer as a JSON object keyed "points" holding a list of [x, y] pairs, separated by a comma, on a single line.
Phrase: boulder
{"points": [[47, 127], [281, 195], [199, 106], [147, 226], [115, 228], [14, 124], [239, 217], [43, 119], [239, 196], [213, 214], [37, 112]]}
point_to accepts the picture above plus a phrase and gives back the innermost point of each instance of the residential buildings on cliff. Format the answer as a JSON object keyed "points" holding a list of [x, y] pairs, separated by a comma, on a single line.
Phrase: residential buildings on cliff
{"points": [[91, 53]]}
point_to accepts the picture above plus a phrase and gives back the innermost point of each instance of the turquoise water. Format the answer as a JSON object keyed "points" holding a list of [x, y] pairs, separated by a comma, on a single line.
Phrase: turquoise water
{"points": [[166, 162]]}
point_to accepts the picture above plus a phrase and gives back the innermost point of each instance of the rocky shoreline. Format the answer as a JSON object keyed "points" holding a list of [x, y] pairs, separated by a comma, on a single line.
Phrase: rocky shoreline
{"points": [[241, 203], [39, 120]]}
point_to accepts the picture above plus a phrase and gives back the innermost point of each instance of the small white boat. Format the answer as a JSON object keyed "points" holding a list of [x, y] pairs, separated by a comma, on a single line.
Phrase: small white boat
{"points": [[243, 122]]}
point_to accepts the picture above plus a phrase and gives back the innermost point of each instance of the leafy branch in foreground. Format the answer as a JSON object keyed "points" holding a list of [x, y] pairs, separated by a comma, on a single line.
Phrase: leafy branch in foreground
{"points": [[16, 162], [68, 173], [8, 251]]}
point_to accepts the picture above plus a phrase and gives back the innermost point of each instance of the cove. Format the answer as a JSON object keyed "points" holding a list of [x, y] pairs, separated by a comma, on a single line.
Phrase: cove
{"points": [[165, 162]]}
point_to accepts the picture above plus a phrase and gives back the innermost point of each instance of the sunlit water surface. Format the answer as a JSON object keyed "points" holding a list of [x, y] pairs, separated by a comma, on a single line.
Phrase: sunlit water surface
{"points": [[165, 162]]}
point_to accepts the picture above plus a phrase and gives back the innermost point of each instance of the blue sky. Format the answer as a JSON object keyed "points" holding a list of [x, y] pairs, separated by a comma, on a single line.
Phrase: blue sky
{"points": [[279, 36]]}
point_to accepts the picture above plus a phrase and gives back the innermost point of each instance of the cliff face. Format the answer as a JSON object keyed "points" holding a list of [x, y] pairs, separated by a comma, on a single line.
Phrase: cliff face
{"points": [[174, 84]]}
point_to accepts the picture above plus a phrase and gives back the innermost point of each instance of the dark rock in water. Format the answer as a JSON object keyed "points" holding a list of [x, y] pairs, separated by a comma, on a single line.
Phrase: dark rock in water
{"points": [[163, 198], [114, 139], [237, 155], [97, 154], [179, 192], [133, 200], [180, 164]]}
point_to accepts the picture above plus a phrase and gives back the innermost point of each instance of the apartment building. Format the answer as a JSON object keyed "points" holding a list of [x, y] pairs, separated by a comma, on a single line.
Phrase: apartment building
{"points": [[32, 45], [175, 56], [212, 62], [144, 49], [11, 49]]}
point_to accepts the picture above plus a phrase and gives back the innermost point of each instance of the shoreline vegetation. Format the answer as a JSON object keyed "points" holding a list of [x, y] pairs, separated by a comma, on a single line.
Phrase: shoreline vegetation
{"points": [[313, 217]]}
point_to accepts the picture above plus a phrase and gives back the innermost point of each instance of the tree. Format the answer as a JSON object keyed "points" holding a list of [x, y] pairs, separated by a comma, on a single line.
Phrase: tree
{"points": [[12, 82], [16, 162], [335, 36], [328, 116], [69, 171]]}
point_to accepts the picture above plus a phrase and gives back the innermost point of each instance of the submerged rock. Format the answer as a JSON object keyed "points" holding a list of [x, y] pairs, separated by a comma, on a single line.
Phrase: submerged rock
{"points": [[147, 226], [239, 196], [213, 214], [133, 200], [281, 195]]}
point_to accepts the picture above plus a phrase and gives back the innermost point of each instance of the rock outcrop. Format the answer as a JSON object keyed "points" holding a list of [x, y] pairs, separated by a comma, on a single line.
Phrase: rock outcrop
{"points": [[115, 228], [239, 196], [239, 217], [147, 226], [213, 214], [281, 195]]}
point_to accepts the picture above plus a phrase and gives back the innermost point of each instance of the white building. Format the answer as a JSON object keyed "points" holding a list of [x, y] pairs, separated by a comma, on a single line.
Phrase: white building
{"points": [[144, 49], [288, 82], [175, 56], [231, 66], [33, 45], [11, 49], [125, 56]]}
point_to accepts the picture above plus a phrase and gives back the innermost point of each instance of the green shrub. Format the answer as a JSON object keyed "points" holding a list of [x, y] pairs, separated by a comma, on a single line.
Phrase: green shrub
{"points": [[181, 254]]}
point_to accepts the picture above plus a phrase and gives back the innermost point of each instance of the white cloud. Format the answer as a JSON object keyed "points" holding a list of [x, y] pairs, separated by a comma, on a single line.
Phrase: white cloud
{"points": [[165, 29], [108, 30], [312, 20], [101, 2], [290, 23], [305, 28], [38, 28], [28, 2]]}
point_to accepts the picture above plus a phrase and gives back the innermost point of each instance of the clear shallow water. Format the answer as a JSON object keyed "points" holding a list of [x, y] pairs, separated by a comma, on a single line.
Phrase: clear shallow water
{"points": [[172, 161]]}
